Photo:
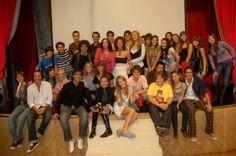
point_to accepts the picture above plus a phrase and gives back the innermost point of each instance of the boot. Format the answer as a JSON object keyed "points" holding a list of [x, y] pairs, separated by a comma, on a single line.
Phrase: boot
{"points": [[94, 124], [216, 91], [223, 94], [106, 121]]}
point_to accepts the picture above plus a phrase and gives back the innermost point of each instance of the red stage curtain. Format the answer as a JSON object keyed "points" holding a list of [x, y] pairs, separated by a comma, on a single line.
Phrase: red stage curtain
{"points": [[7, 10], [22, 48], [201, 20], [226, 18]]}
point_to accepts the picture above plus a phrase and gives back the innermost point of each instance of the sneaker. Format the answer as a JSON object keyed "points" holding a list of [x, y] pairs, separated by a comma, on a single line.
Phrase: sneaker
{"points": [[39, 135], [119, 132], [19, 143], [80, 144], [212, 136], [71, 145], [32, 146], [14, 145], [128, 135], [193, 139]]}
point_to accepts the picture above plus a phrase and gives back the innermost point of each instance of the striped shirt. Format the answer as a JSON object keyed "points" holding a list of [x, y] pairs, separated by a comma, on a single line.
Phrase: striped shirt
{"points": [[63, 61], [223, 54]]}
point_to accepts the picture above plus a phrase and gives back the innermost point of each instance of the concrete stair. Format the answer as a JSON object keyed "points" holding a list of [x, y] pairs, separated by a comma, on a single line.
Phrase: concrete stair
{"points": [[146, 142]]}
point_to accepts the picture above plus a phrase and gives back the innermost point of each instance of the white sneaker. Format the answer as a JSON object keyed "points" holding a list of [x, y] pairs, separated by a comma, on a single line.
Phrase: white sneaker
{"points": [[193, 139], [80, 143], [71, 145]]}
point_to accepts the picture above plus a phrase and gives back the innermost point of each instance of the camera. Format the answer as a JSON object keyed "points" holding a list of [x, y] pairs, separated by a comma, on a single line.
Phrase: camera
{"points": [[98, 107]]}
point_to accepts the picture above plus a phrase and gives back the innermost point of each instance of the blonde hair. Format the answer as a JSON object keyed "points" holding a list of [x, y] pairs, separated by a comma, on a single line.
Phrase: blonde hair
{"points": [[118, 87], [85, 74], [138, 40]]}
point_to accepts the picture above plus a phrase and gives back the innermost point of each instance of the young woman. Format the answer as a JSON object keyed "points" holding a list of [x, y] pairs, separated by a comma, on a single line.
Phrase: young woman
{"points": [[179, 89], [79, 59], [186, 50], [127, 38], [148, 40], [106, 55], [169, 56], [19, 115], [137, 50], [169, 37], [101, 71], [124, 97], [104, 103], [225, 57], [198, 60], [90, 80], [61, 80], [122, 58], [51, 76], [177, 44], [152, 53]]}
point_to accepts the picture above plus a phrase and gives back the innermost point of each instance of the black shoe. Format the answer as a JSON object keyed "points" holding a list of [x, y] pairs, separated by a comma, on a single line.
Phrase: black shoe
{"points": [[107, 133], [162, 131], [185, 134], [14, 145], [32, 147], [176, 134], [92, 134]]}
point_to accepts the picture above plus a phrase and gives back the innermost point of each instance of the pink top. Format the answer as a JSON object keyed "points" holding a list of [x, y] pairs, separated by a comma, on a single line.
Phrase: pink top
{"points": [[58, 87], [109, 60], [137, 85]]}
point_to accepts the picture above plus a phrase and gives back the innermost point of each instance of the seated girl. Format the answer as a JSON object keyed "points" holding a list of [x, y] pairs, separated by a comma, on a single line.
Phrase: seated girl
{"points": [[104, 100]]}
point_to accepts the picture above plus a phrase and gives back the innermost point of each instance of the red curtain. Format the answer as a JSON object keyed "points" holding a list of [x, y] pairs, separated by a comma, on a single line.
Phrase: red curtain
{"points": [[201, 20], [22, 48], [226, 18], [7, 10]]}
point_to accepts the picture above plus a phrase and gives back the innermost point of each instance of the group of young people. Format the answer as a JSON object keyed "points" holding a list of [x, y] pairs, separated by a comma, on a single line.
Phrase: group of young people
{"points": [[122, 75]]}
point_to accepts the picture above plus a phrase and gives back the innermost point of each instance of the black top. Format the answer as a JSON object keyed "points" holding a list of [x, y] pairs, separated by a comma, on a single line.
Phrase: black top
{"points": [[74, 95], [79, 64], [137, 54], [196, 60], [121, 59], [183, 55], [100, 94], [94, 49]]}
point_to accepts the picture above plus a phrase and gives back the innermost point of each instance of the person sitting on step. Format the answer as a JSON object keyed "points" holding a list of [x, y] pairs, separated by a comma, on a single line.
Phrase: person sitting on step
{"points": [[104, 100]]}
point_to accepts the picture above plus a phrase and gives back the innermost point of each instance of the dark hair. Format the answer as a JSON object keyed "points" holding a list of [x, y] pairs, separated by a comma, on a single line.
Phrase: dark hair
{"points": [[96, 32], [48, 48], [110, 32], [136, 67], [215, 46], [20, 72], [155, 36], [160, 63], [116, 40], [109, 44], [74, 32], [75, 71], [165, 51], [127, 32], [104, 76], [60, 43], [168, 33], [188, 67], [35, 71], [197, 38], [148, 36], [84, 42]]}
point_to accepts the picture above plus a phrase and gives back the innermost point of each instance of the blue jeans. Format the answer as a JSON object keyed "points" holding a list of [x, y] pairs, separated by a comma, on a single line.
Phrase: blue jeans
{"points": [[83, 121], [227, 73], [31, 123], [17, 121]]}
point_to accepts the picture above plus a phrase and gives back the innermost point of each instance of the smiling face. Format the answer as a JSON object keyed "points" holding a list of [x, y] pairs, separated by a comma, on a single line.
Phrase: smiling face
{"points": [[60, 74], [77, 77], [120, 44], [175, 38], [175, 77], [122, 83], [189, 73], [154, 41], [163, 44], [37, 77], [136, 75], [19, 78], [159, 80], [76, 37], [104, 82], [211, 40], [105, 44], [60, 48], [127, 37], [84, 48]]}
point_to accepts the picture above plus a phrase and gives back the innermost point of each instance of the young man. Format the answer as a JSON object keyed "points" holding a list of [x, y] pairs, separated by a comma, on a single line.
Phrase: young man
{"points": [[160, 96], [96, 44], [195, 87], [74, 97], [160, 66], [63, 59], [39, 98], [48, 61], [73, 47], [111, 38]]}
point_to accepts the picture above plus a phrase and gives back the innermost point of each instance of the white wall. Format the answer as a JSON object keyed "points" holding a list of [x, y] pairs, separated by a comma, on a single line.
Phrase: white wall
{"points": [[154, 16]]}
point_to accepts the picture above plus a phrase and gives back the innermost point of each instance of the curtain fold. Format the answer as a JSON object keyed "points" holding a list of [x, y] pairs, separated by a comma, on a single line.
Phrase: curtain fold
{"points": [[7, 10], [22, 48], [226, 20]]}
